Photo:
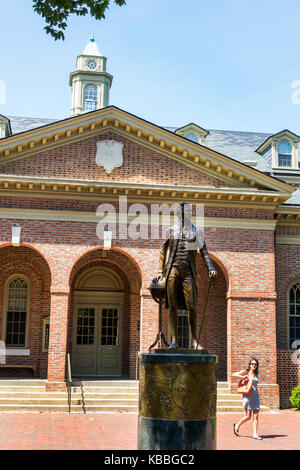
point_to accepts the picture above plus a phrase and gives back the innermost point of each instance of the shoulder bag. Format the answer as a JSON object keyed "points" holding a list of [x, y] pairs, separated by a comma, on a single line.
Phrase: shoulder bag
{"points": [[245, 386]]}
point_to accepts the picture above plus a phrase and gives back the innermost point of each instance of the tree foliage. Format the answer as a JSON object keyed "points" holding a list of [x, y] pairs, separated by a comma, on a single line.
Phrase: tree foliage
{"points": [[56, 12], [295, 398]]}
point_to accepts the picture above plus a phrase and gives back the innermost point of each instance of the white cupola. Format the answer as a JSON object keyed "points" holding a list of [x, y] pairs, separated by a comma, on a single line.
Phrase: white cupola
{"points": [[90, 82]]}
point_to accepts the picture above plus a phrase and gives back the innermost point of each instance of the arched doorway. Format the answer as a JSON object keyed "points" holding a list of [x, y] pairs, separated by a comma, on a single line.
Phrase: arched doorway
{"points": [[104, 314], [98, 299]]}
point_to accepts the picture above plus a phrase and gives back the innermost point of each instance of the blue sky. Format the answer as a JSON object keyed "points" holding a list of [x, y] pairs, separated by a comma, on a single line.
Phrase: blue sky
{"points": [[224, 64]]}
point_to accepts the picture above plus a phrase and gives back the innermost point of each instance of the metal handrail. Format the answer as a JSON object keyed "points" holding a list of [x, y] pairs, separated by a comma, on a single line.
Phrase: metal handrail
{"points": [[137, 365], [82, 398], [69, 381]]}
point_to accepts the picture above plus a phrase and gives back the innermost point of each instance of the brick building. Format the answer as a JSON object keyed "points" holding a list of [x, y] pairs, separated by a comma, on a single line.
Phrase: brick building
{"points": [[62, 291]]}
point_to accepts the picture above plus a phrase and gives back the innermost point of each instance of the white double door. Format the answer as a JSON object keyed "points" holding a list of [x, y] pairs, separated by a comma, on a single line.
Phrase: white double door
{"points": [[97, 339]]}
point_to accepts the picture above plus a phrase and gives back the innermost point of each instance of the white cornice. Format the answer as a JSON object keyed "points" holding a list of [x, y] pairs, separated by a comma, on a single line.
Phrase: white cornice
{"points": [[288, 239], [75, 216]]}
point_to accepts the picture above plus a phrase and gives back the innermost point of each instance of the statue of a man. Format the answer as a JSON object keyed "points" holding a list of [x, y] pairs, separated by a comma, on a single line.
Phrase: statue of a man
{"points": [[183, 240]]}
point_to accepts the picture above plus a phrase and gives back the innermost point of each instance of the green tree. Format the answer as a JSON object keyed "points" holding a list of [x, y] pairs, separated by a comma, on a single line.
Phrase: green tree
{"points": [[56, 12], [295, 397]]}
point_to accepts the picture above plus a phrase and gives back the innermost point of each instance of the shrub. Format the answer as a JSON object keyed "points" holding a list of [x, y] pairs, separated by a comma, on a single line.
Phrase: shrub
{"points": [[295, 397]]}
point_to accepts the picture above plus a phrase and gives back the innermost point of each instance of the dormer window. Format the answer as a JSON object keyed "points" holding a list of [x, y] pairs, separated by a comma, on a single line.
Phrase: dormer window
{"points": [[284, 153], [5, 128], [90, 98], [282, 150], [193, 132]]}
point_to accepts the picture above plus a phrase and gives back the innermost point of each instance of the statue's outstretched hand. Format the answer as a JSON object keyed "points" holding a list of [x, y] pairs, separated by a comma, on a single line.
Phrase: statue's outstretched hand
{"points": [[212, 274]]}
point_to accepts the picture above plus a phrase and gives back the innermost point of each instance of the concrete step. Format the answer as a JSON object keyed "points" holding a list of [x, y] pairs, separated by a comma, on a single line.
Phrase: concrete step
{"points": [[99, 396], [109, 390], [224, 391], [229, 402], [22, 389], [38, 401], [23, 382], [110, 401], [111, 409], [39, 408], [36, 395], [113, 396], [106, 383], [222, 385], [229, 396], [238, 409]]}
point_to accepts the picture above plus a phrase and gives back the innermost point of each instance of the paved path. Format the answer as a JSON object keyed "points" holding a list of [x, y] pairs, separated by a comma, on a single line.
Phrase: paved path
{"points": [[41, 431]]}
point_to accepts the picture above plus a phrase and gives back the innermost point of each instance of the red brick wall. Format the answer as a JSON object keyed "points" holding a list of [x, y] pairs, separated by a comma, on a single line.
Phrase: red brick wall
{"points": [[287, 272], [288, 375], [245, 269], [241, 313], [214, 331], [77, 160]]}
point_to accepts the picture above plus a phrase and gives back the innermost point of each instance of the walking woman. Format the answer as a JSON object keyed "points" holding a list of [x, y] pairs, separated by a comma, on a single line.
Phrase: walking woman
{"points": [[251, 402]]}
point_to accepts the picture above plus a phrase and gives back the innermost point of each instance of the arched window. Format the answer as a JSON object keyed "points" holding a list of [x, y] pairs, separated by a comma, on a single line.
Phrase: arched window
{"points": [[17, 312], [90, 98], [192, 137], [294, 315], [284, 153]]}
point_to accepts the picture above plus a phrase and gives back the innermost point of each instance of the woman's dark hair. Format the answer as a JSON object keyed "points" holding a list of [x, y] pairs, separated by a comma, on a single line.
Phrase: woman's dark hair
{"points": [[256, 368]]}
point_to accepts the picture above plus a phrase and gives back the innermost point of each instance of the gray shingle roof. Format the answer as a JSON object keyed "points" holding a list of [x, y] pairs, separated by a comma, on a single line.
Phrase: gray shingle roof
{"points": [[238, 145], [22, 124]]}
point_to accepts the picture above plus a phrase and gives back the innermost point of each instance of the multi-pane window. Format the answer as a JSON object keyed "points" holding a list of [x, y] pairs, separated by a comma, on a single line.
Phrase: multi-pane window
{"points": [[90, 98], [294, 315], [85, 325], [16, 313], [284, 153], [109, 326], [183, 339]]}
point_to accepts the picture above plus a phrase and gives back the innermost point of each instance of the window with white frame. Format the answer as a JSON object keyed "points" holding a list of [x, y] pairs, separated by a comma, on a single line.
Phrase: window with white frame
{"points": [[294, 315], [90, 98], [17, 312], [284, 153]]}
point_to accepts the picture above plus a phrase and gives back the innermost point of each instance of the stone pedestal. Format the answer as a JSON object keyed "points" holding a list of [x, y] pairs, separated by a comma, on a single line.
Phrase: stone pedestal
{"points": [[177, 400]]}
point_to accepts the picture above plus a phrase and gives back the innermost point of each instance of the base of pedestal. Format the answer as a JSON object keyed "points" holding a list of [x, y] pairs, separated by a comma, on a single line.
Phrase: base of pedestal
{"points": [[177, 400], [176, 434]]}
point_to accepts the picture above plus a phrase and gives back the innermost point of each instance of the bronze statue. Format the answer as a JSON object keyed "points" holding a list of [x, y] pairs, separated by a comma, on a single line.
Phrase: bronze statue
{"points": [[183, 240]]}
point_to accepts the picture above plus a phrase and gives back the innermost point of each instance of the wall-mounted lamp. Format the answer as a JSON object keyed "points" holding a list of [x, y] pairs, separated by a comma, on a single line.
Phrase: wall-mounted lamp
{"points": [[15, 235], [107, 238]]}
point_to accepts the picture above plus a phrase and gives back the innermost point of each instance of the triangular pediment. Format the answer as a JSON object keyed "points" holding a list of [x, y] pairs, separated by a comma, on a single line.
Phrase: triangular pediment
{"points": [[220, 171]]}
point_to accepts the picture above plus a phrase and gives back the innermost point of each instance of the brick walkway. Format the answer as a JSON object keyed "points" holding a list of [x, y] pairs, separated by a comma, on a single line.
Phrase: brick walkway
{"points": [[119, 431]]}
